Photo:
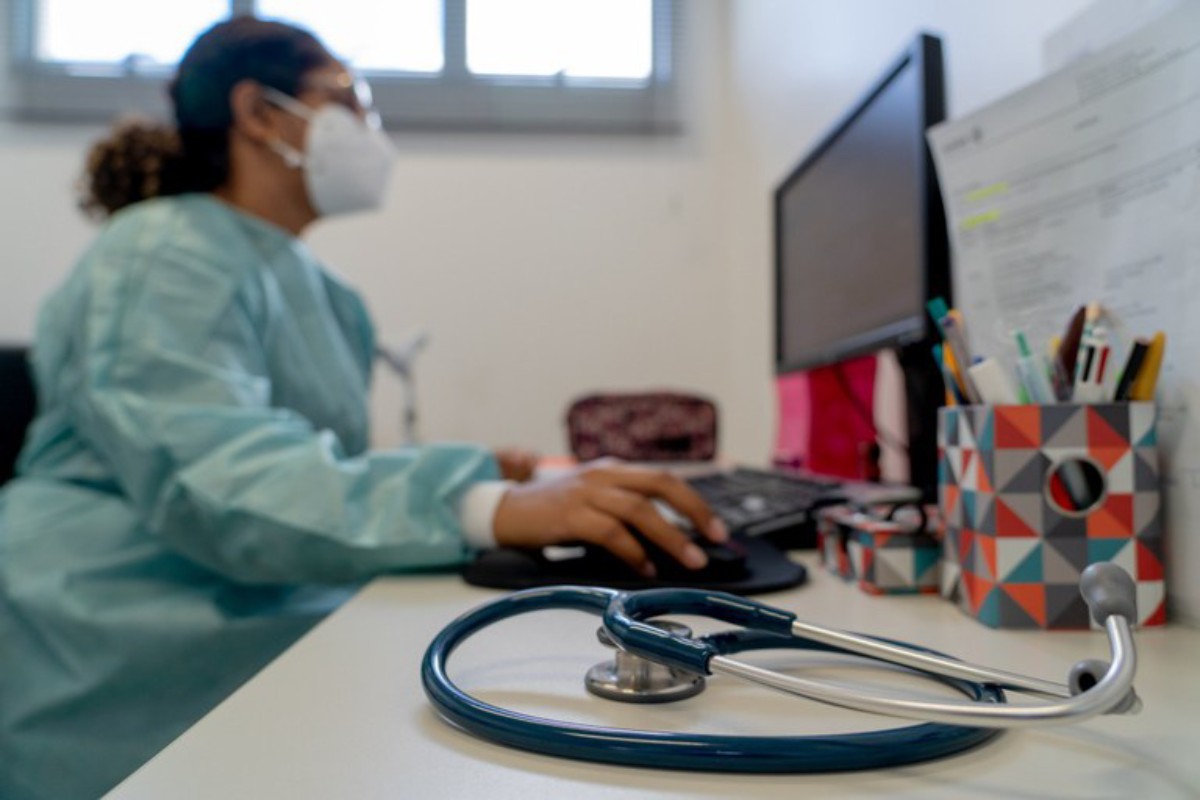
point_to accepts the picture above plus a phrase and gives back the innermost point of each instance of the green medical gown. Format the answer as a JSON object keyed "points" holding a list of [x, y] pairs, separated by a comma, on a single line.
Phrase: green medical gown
{"points": [[196, 491]]}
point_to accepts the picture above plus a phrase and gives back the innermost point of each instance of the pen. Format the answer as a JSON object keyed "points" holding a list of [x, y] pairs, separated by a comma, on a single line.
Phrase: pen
{"points": [[1090, 365], [1102, 364]]}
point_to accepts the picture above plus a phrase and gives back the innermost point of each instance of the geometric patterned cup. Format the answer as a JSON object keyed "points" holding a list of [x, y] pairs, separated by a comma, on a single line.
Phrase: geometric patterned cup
{"points": [[884, 549], [1031, 495]]}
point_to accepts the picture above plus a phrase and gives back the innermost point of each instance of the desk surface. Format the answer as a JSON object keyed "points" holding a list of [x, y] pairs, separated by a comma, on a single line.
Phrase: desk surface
{"points": [[342, 713]]}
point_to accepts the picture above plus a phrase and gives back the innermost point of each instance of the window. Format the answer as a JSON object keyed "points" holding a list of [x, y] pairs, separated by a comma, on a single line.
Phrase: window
{"points": [[587, 65]]}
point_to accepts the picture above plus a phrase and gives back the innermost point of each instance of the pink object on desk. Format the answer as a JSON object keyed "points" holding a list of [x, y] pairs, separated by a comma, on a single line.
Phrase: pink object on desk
{"points": [[819, 427]]}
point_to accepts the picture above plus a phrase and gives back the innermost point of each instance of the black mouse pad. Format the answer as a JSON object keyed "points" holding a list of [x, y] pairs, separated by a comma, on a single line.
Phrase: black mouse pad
{"points": [[766, 569]]}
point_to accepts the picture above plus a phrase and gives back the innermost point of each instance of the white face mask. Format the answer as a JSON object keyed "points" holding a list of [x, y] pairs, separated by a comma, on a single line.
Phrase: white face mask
{"points": [[346, 160]]}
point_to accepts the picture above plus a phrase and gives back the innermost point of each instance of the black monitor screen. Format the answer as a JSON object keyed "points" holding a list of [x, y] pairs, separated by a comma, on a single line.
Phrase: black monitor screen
{"points": [[852, 227]]}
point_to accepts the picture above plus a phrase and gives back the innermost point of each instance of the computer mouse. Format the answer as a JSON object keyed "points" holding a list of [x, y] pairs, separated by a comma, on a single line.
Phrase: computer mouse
{"points": [[726, 561]]}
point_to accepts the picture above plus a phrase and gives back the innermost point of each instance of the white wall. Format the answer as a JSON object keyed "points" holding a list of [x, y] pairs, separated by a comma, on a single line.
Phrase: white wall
{"points": [[794, 68], [544, 267]]}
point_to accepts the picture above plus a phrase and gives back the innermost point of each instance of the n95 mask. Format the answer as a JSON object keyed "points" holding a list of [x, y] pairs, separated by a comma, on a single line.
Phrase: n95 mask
{"points": [[346, 160]]}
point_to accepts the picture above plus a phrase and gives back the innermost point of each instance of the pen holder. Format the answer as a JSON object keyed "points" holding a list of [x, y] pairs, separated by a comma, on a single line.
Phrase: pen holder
{"points": [[1031, 495]]}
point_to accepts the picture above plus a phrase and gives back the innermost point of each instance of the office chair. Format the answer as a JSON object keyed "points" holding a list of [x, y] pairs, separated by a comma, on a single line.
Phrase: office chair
{"points": [[18, 405], [643, 426]]}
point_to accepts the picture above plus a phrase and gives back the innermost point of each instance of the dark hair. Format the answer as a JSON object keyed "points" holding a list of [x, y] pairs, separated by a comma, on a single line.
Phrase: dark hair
{"points": [[141, 159]]}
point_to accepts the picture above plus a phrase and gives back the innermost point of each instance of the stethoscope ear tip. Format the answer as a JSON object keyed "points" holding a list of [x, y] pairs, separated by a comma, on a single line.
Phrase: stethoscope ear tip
{"points": [[1108, 591], [1087, 673]]}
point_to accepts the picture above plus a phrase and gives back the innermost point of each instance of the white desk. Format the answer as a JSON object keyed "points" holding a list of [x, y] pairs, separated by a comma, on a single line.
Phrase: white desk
{"points": [[342, 714]]}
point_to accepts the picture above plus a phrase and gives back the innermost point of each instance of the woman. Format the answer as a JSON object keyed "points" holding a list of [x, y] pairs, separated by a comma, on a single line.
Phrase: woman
{"points": [[196, 491]]}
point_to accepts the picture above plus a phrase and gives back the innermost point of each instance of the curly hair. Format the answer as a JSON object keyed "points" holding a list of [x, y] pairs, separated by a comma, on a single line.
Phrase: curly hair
{"points": [[128, 165], [140, 158]]}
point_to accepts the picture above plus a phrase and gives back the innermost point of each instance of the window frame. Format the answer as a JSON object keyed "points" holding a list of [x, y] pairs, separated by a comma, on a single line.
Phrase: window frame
{"points": [[454, 99]]}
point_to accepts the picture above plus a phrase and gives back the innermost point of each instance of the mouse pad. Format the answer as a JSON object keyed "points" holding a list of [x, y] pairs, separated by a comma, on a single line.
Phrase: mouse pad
{"points": [[764, 569]]}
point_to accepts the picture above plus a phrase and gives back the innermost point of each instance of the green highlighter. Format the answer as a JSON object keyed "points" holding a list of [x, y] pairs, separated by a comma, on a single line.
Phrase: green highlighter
{"points": [[938, 309]]}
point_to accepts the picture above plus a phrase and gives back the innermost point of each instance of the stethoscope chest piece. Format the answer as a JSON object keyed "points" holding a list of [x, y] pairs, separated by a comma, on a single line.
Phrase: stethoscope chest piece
{"points": [[629, 678]]}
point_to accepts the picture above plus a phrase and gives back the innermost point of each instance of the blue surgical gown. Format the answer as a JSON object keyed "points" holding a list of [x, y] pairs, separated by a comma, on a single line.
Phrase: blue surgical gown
{"points": [[196, 491]]}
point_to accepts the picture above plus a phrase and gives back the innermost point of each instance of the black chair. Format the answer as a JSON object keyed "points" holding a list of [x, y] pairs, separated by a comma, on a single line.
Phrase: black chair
{"points": [[18, 404]]}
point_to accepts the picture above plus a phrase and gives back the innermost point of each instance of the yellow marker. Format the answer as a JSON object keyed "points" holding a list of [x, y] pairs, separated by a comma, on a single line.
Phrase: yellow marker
{"points": [[952, 366], [1147, 377]]}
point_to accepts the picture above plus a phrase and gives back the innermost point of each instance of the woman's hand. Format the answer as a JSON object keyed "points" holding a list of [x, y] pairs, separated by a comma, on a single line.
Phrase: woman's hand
{"points": [[516, 464], [598, 503]]}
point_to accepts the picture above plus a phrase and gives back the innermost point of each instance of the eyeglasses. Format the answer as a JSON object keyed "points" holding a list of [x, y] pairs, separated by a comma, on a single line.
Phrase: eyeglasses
{"points": [[346, 89]]}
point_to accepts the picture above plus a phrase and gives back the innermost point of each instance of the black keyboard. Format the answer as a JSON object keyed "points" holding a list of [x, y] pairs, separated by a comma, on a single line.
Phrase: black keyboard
{"points": [[772, 504]]}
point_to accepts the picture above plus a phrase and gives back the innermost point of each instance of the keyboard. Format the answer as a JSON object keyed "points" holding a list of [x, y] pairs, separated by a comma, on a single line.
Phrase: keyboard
{"points": [[776, 505]]}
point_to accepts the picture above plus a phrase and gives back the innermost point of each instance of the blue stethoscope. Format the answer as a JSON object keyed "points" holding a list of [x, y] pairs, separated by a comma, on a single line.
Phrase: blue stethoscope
{"points": [[658, 662]]}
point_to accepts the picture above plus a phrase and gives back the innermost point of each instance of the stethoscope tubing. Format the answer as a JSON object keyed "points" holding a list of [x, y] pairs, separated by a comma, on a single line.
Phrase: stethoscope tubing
{"points": [[682, 750]]}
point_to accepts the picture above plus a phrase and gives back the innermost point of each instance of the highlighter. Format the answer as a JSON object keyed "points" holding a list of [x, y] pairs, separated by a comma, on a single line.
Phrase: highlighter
{"points": [[1032, 371], [992, 383], [1147, 377]]}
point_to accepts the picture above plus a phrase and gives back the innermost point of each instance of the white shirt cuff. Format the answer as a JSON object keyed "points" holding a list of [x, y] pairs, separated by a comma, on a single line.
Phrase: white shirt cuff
{"points": [[477, 510]]}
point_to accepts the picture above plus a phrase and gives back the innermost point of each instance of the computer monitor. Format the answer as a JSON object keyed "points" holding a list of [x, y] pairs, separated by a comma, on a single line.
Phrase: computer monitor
{"points": [[860, 242]]}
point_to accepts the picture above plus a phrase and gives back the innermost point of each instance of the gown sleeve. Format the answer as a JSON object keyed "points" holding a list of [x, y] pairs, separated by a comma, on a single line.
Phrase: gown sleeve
{"points": [[176, 396]]}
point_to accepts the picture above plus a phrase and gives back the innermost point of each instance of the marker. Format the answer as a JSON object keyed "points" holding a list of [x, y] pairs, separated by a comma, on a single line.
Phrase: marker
{"points": [[1060, 379], [1133, 365], [954, 396], [957, 342], [938, 309], [1147, 377], [992, 383], [1068, 348]]}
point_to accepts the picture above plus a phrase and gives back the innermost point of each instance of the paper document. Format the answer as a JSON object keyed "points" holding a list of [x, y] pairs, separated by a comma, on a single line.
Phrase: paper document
{"points": [[1086, 187]]}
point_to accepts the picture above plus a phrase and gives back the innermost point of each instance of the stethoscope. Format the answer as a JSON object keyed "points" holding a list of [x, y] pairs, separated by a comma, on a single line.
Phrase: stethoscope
{"points": [[659, 663]]}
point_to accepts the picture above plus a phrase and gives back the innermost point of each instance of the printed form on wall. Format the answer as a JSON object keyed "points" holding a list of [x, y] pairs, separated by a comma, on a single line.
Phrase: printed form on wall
{"points": [[1085, 187]]}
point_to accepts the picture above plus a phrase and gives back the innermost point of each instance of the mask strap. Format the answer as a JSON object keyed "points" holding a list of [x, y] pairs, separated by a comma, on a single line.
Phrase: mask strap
{"points": [[290, 155], [288, 103]]}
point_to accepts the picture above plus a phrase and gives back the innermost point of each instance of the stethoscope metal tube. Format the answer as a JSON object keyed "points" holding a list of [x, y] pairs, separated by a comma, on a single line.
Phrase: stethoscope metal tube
{"points": [[926, 662], [1095, 687], [1110, 691]]}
